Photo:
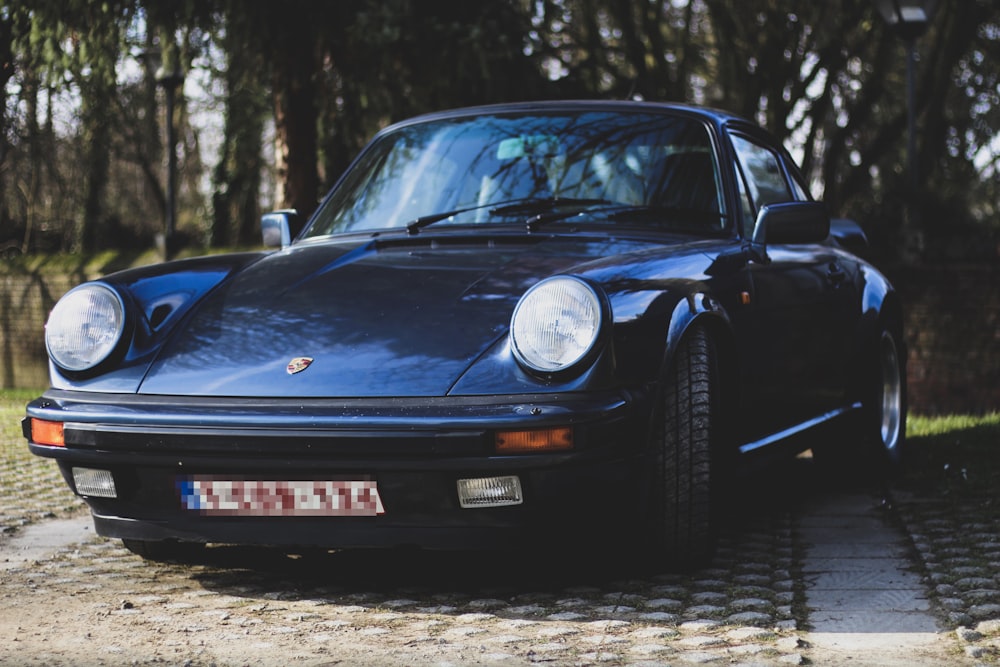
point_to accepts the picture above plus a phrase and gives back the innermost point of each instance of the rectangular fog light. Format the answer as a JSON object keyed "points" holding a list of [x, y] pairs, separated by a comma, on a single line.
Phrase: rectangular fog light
{"points": [[490, 491], [97, 483]]}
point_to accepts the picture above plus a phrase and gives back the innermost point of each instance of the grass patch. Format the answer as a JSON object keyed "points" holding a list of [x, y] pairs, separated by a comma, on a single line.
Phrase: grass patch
{"points": [[31, 487], [12, 402], [15, 395], [925, 427], [955, 455]]}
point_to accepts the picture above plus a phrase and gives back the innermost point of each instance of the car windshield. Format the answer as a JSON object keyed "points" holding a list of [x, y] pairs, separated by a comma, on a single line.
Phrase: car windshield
{"points": [[503, 168]]}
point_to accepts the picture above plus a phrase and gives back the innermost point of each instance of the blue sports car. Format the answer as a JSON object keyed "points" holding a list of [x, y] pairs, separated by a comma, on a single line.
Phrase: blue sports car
{"points": [[536, 323]]}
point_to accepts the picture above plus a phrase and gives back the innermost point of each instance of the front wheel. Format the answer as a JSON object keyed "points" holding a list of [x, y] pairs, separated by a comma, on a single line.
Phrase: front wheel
{"points": [[682, 436]]}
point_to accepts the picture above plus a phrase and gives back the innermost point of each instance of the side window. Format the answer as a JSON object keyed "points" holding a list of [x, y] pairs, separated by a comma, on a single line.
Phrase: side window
{"points": [[763, 180], [746, 205], [801, 194]]}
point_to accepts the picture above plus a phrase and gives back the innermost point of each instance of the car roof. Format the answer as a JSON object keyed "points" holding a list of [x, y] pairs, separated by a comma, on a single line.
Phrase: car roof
{"points": [[715, 116]]}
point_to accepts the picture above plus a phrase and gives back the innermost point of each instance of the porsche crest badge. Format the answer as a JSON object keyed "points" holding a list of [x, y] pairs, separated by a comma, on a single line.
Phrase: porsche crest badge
{"points": [[298, 364]]}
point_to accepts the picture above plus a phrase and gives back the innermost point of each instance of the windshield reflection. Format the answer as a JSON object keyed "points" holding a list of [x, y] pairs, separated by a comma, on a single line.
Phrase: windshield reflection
{"points": [[458, 171]]}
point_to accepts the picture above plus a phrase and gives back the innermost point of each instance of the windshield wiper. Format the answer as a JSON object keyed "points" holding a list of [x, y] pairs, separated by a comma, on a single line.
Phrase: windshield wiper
{"points": [[540, 205], [414, 226], [509, 207], [544, 209]]}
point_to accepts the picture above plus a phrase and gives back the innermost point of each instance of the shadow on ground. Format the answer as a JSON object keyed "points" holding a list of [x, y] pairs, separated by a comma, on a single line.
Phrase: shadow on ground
{"points": [[756, 536]]}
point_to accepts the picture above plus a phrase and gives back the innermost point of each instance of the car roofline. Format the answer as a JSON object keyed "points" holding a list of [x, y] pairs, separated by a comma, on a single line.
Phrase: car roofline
{"points": [[716, 116]]}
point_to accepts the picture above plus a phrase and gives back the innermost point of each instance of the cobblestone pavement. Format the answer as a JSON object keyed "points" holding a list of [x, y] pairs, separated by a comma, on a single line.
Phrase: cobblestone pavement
{"points": [[96, 603], [957, 545], [245, 605]]}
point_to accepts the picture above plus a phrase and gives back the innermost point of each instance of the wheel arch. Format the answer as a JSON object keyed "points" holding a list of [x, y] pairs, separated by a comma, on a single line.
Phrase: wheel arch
{"points": [[881, 307], [700, 310], [880, 303], [881, 371]]}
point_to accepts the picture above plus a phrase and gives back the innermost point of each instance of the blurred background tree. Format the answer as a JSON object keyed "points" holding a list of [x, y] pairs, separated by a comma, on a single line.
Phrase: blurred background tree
{"points": [[278, 97]]}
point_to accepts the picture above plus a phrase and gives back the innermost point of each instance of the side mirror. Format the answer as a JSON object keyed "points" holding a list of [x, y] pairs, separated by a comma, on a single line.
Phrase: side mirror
{"points": [[276, 227], [791, 222]]}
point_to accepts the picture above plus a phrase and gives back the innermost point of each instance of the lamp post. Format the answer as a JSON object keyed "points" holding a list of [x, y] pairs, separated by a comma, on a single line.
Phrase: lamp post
{"points": [[169, 77], [909, 19]]}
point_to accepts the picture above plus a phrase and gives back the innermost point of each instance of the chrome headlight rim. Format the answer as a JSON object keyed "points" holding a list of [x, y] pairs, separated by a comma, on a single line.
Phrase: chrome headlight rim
{"points": [[584, 353], [60, 324]]}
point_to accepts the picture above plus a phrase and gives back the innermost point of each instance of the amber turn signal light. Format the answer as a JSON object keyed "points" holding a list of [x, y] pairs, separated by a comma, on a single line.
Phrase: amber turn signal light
{"points": [[47, 433], [535, 440]]}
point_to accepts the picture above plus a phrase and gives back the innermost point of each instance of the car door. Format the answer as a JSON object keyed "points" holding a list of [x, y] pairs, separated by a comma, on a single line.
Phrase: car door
{"points": [[795, 329]]}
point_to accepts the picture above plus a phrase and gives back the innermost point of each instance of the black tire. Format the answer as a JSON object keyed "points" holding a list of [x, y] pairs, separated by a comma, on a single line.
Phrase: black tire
{"points": [[167, 551], [682, 437]]}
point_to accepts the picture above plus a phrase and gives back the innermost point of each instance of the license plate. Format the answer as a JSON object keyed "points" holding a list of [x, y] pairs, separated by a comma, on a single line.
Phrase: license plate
{"points": [[211, 496]]}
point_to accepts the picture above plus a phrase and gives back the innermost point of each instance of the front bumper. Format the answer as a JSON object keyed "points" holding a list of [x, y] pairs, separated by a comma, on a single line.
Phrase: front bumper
{"points": [[414, 449]]}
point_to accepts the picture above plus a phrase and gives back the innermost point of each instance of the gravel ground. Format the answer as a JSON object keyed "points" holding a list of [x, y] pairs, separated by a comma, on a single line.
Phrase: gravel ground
{"points": [[249, 605], [246, 606], [96, 603]]}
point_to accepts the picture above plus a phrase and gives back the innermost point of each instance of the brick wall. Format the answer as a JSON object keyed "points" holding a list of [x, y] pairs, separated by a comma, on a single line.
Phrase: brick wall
{"points": [[952, 328], [25, 301]]}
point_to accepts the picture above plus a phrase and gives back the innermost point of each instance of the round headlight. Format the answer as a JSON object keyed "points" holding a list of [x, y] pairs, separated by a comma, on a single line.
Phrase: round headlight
{"points": [[84, 327], [555, 324]]}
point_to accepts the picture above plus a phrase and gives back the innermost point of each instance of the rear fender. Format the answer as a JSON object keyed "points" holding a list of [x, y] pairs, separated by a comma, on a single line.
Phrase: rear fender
{"points": [[880, 307]]}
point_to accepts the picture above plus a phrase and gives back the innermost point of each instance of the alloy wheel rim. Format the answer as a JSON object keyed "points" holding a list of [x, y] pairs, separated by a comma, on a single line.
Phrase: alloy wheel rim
{"points": [[892, 395]]}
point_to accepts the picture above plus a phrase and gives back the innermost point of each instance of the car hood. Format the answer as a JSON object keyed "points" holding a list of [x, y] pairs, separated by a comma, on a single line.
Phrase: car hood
{"points": [[385, 318]]}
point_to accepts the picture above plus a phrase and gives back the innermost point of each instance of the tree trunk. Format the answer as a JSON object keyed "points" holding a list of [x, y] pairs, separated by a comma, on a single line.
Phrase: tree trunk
{"points": [[295, 120], [237, 176], [96, 138], [98, 88]]}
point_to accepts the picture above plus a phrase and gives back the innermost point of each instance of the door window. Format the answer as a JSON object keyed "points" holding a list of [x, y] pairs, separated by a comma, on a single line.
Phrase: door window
{"points": [[763, 180]]}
